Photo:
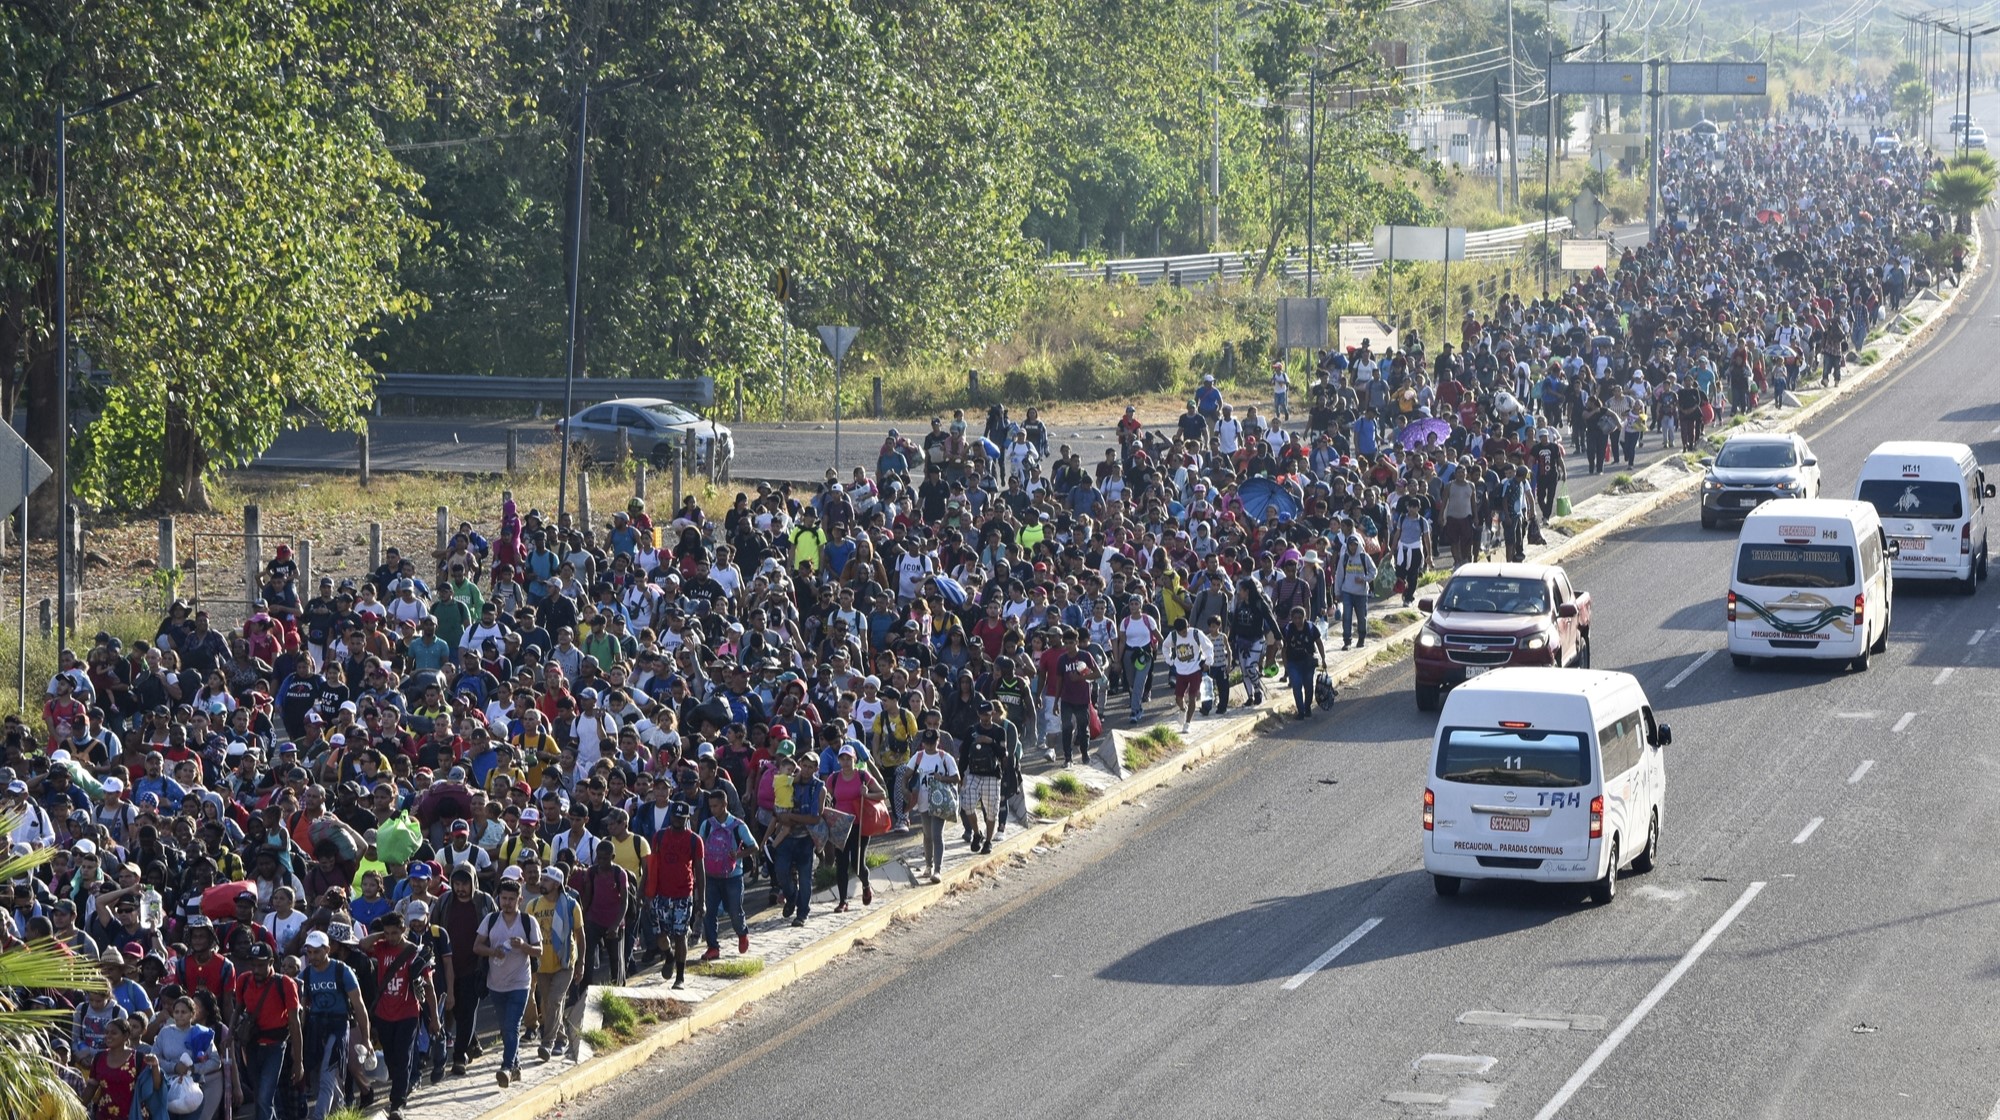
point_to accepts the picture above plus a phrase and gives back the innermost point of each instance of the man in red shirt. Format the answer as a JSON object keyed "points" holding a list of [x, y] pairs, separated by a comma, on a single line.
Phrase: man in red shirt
{"points": [[405, 997], [203, 969], [274, 1046], [673, 888]]}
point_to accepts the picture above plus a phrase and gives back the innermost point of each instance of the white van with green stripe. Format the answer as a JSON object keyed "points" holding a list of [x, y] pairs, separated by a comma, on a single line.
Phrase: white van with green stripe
{"points": [[1811, 578]]}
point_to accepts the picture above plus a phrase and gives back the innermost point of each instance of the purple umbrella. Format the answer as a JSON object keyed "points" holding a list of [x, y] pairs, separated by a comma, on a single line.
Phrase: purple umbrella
{"points": [[1420, 432]]}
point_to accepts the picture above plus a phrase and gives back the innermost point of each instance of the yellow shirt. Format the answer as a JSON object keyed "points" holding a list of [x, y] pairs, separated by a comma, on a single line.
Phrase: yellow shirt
{"points": [[630, 854]]}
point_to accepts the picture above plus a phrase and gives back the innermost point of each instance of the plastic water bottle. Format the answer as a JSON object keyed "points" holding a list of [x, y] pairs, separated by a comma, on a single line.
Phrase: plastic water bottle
{"points": [[152, 910]]}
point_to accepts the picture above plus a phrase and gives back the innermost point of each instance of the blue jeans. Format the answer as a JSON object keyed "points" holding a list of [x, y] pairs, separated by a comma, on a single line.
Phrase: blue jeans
{"points": [[1354, 617], [794, 863], [326, 1061], [509, 1007], [725, 892], [1301, 674], [266, 1062]]}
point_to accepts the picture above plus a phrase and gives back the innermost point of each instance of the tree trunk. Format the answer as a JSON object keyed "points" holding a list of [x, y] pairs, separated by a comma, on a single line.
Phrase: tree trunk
{"points": [[183, 467]]}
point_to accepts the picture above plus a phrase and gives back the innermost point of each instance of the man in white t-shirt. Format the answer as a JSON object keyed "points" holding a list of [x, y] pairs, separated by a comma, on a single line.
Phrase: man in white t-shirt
{"points": [[1189, 653]]}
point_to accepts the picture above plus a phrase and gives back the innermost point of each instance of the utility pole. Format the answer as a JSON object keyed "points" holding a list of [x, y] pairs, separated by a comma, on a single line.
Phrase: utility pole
{"points": [[1499, 181], [1653, 164], [1603, 54], [1215, 150], [1513, 112]]}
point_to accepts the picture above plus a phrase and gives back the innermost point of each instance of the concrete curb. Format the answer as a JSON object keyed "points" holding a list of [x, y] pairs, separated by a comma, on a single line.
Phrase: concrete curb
{"points": [[727, 1004]]}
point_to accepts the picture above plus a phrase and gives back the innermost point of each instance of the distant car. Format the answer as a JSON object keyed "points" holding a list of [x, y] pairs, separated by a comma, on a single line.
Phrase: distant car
{"points": [[1959, 121], [1975, 137], [1887, 142], [1753, 468], [654, 430]]}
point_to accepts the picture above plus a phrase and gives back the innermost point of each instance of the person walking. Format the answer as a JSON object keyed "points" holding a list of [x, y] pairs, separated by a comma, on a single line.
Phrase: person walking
{"points": [[931, 769], [674, 882], [560, 971], [1356, 580], [1076, 675], [1137, 637], [989, 748], [1411, 534], [606, 891], [272, 1035], [1250, 623], [1514, 494], [1304, 653], [510, 943], [792, 856], [1189, 654], [852, 788], [334, 1009], [725, 843], [405, 999], [459, 914]]}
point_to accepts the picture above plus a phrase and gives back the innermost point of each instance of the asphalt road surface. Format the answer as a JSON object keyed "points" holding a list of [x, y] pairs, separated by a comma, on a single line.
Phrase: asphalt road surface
{"points": [[1816, 942]]}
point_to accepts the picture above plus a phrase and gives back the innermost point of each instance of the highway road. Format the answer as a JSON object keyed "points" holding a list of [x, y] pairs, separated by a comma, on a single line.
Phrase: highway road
{"points": [[1260, 939]]}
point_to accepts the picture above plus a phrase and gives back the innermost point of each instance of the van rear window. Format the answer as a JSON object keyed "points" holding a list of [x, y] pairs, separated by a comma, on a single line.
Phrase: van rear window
{"points": [[1783, 565], [1903, 497], [1487, 756]]}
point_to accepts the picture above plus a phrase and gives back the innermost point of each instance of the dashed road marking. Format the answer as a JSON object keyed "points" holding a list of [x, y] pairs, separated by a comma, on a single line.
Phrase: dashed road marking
{"points": [[1861, 771], [1532, 1022], [1811, 827], [1631, 1023], [1944, 674], [1902, 723], [1462, 1065], [1977, 636], [1690, 670], [1326, 958]]}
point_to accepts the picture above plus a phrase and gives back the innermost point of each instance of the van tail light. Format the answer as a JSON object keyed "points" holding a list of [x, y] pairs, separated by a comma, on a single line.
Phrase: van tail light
{"points": [[1430, 811], [1597, 817], [1732, 606], [1965, 538], [1860, 600]]}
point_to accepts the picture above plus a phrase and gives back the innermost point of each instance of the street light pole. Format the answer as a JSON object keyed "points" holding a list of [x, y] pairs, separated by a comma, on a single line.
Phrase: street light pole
{"points": [[575, 296], [1313, 76], [63, 117], [571, 372]]}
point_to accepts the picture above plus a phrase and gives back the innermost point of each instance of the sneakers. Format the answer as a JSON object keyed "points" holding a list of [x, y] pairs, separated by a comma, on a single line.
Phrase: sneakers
{"points": [[1048, 754], [541, 1053], [742, 946], [715, 951], [501, 1077], [789, 908], [799, 922], [458, 1069], [867, 894]]}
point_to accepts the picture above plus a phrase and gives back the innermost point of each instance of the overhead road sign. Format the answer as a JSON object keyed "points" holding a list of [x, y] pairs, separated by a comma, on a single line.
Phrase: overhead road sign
{"points": [[1716, 78], [1599, 79], [1419, 243]]}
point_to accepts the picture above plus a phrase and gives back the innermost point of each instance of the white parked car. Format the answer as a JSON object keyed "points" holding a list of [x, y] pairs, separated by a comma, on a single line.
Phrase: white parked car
{"points": [[1975, 137], [653, 429]]}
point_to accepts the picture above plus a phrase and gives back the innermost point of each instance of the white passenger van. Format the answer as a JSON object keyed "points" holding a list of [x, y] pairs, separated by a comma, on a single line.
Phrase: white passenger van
{"points": [[1545, 775], [1811, 579], [1931, 498]]}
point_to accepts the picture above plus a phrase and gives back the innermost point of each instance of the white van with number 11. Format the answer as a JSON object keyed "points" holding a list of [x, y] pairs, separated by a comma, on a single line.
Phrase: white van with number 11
{"points": [[1545, 775]]}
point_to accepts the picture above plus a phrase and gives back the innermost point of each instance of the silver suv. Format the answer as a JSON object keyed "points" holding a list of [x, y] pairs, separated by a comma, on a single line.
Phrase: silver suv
{"points": [[1753, 468]]}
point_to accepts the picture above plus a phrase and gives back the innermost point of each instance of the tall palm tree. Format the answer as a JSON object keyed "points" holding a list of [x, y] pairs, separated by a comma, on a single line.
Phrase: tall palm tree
{"points": [[1961, 192], [31, 1084]]}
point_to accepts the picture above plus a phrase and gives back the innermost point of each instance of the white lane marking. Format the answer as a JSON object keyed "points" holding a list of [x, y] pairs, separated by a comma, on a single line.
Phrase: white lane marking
{"points": [[1977, 637], [1462, 1065], [1532, 1022], [1861, 771], [1944, 674], [1995, 1114], [1811, 827], [1326, 958], [1902, 723], [1690, 670], [1624, 1030]]}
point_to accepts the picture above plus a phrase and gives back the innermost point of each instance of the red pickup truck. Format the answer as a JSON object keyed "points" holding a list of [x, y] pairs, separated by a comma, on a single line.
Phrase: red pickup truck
{"points": [[1489, 615]]}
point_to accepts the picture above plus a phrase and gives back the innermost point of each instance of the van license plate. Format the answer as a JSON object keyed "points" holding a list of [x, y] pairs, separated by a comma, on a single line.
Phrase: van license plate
{"points": [[1509, 824], [1913, 544]]}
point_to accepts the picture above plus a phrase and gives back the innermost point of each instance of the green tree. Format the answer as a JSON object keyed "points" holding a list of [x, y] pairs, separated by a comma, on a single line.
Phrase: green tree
{"points": [[1961, 192], [1911, 102], [235, 234]]}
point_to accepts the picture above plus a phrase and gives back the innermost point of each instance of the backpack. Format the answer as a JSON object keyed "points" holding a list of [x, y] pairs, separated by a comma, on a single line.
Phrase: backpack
{"points": [[398, 838], [718, 857]]}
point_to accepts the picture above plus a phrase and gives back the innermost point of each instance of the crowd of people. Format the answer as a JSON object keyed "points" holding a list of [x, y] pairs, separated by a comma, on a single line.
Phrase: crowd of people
{"points": [[306, 849]]}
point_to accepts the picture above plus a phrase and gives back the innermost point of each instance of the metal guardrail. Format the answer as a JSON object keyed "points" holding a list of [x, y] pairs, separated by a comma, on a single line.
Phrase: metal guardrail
{"points": [[1356, 256], [690, 390]]}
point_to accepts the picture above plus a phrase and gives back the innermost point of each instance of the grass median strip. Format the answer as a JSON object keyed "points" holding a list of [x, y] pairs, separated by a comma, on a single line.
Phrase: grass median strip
{"points": [[1061, 795], [1157, 743]]}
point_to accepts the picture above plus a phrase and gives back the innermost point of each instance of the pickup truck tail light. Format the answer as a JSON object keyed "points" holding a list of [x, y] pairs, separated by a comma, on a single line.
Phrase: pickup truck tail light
{"points": [[1597, 817], [1430, 811]]}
